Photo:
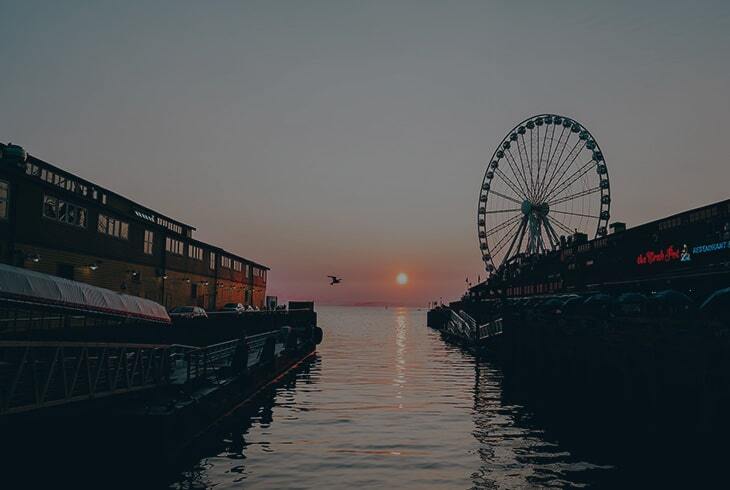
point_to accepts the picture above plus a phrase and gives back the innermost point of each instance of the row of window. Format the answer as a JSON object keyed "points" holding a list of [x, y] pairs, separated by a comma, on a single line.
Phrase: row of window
{"points": [[4, 199], [149, 241], [65, 212], [169, 225], [548, 287], [177, 247], [72, 214], [64, 182], [113, 227], [703, 214], [174, 246], [73, 185], [195, 252]]}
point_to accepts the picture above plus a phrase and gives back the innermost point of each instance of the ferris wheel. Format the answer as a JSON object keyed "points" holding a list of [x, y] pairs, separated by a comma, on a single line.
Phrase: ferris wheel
{"points": [[546, 179]]}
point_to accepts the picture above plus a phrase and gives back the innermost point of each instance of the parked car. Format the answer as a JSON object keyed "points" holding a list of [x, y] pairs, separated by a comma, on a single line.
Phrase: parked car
{"points": [[188, 312], [235, 307]]}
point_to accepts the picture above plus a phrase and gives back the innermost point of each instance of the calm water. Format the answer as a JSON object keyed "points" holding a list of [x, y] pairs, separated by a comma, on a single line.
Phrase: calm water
{"points": [[386, 404]]}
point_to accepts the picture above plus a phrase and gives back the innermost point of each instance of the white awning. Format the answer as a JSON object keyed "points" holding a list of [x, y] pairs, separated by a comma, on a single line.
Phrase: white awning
{"points": [[36, 287]]}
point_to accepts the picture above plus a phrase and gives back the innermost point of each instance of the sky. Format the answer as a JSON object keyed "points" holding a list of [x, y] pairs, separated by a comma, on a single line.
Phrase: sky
{"points": [[350, 137]]}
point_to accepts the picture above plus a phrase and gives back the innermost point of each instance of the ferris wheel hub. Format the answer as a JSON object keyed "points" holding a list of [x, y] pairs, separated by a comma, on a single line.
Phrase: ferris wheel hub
{"points": [[537, 209]]}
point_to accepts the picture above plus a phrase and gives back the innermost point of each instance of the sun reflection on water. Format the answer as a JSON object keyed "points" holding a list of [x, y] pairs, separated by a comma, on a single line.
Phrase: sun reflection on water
{"points": [[401, 329]]}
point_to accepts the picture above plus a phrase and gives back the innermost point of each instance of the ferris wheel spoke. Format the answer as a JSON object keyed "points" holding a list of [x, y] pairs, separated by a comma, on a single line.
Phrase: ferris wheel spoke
{"points": [[532, 162], [502, 242], [570, 197], [514, 200], [515, 188], [523, 173], [502, 226], [520, 232], [529, 168], [551, 231], [546, 232], [559, 148], [575, 214], [563, 166], [551, 156], [538, 155], [550, 147], [559, 224], [570, 180], [515, 210], [516, 170]]}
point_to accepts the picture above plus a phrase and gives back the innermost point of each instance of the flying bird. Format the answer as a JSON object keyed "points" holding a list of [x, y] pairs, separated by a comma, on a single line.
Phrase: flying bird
{"points": [[335, 280]]}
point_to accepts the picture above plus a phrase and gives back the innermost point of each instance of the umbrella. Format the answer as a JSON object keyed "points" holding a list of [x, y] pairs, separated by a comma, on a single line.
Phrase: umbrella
{"points": [[572, 304], [718, 302], [631, 302], [551, 305], [673, 301], [597, 302], [632, 298]]}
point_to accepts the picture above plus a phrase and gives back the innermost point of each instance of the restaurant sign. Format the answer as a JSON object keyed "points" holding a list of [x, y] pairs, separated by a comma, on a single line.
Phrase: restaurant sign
{"points": [[669, 254], [711, 247]]}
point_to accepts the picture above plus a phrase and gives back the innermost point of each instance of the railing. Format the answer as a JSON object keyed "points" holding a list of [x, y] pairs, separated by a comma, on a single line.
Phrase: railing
{"points": [[459, 325], [216, 362], [36, 375], [42, 374], [490, 329]]}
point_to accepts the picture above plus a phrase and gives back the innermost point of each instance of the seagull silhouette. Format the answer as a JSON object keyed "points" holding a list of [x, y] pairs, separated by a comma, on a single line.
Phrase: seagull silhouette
{"points": [[335, 280]]}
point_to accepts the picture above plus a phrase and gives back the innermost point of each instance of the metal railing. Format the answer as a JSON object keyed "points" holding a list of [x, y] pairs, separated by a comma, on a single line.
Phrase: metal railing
{"points": [[490, 329], [36, 375], [216, 362], [460, 326], [42, 374]]}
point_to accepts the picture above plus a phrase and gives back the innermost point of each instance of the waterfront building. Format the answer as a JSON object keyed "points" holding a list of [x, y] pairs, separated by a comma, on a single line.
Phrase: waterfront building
{"points": [[58, 223], [687, 251]]}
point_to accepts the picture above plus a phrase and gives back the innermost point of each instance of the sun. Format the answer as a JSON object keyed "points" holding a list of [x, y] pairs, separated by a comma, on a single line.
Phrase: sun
{"points": [[402, 278]]}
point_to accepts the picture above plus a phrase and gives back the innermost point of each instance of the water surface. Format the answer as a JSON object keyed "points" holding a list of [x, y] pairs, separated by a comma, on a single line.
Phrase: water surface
{"points": [[386, 403]]}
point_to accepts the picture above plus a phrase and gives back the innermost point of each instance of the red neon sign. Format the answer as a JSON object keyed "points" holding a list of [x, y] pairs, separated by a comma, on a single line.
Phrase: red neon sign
{"points": [[667, 255]]}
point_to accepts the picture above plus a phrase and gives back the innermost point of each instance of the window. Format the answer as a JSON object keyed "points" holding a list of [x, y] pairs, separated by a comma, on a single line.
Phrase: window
{"points": [[169, 225], [226, 262], [149, 239], [195, 252], [212, 261], [174, 246], [59, 210], [4, 193], [237, 265], [113, 227]]}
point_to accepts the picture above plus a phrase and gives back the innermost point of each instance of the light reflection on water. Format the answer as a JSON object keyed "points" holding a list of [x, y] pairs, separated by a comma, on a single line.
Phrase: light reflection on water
{"points": [[386, 404]]}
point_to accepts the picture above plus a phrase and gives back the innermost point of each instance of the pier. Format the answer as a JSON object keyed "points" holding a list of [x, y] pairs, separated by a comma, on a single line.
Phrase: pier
{"points": [[71, 370]]}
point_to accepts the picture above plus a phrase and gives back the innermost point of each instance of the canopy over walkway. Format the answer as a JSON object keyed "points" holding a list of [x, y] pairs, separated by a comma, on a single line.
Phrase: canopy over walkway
{"points": [[22, 289]]}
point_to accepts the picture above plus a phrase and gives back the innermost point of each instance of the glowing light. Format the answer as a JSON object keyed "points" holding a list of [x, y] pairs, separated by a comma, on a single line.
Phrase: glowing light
{"points": [[402, 278]]}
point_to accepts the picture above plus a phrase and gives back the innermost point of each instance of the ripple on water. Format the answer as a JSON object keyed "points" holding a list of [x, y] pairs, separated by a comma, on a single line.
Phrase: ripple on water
{"points": [[386, 404]]}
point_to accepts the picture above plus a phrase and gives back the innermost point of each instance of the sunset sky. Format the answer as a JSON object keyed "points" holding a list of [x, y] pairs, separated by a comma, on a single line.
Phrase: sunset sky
{"points": [[351, 137]]}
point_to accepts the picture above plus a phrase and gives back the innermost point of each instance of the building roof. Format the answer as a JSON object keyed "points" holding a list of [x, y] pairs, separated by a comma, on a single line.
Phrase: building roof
{"points": [[34, 287]]}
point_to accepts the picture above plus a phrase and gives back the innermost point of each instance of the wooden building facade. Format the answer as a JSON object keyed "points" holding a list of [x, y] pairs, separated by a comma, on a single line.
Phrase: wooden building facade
{"points": [[55, 222]]}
